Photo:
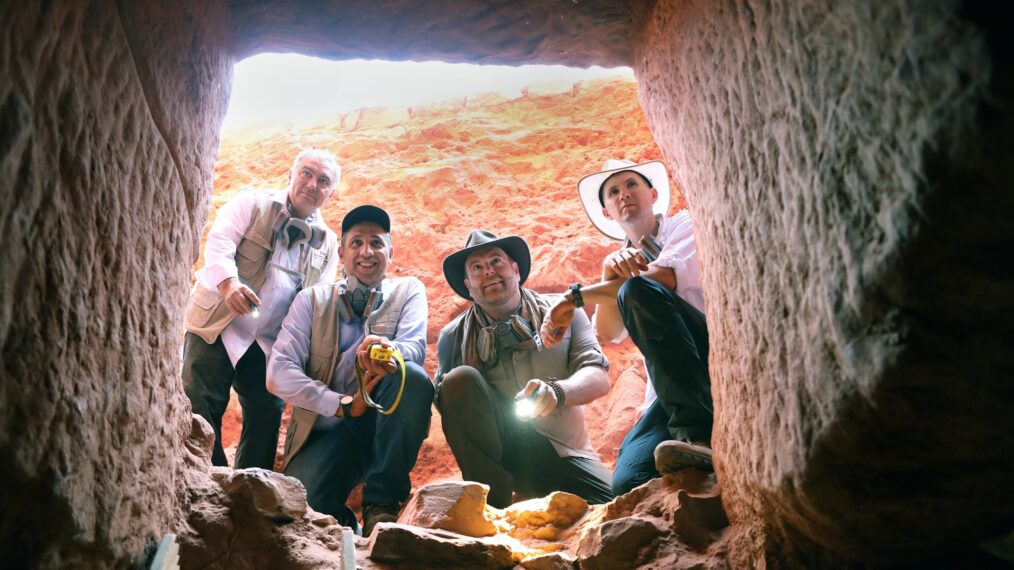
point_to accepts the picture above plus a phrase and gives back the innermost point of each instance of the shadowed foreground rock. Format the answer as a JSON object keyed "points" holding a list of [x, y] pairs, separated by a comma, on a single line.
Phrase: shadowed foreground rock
{"points": [[250, 518], [669, 522]]}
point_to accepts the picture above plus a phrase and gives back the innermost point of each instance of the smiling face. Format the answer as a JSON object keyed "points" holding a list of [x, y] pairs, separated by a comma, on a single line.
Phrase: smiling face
{"points": [[311, 183], [365, 252], [493, 280], [628, 199]]}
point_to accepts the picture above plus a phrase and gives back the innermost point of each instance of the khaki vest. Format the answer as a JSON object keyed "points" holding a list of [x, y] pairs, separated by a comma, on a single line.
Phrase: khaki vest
{"points": [[206, 314], [324, 343]]}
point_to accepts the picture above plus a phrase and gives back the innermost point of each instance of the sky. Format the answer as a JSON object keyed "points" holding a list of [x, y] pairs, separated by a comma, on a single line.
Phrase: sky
{"points": [[302, 90]]}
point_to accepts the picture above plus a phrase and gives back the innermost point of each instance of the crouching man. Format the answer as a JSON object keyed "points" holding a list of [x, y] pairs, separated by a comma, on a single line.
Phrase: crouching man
{"points": [[491, 359], [650, 289], [336, 439]]}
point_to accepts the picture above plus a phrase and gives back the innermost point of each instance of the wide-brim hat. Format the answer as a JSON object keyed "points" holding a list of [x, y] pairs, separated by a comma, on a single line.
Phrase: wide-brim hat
{"points": [[588, 188], [454, 264]]}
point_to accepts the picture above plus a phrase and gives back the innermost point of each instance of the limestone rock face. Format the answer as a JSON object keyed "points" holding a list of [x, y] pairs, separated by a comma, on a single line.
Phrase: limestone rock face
{"points": [[851, 206]]}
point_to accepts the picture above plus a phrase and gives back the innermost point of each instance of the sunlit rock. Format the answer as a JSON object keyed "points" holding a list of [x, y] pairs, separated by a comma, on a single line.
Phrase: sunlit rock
{"points": [[457, 506]]}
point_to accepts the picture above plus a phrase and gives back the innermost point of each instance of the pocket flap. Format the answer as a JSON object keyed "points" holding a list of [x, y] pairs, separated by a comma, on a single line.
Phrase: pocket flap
{"points": [[205, 298]]}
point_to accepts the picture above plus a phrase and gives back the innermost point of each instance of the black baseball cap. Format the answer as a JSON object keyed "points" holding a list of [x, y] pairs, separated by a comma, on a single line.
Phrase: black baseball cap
{"points": [[366, 213]]}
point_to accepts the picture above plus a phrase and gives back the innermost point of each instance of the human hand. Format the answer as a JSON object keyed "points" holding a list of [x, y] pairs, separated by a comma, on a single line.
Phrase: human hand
{"points": [[556, 322], [626, 263], [238, 297], [359, 406], [542, 396], [382, 367]]}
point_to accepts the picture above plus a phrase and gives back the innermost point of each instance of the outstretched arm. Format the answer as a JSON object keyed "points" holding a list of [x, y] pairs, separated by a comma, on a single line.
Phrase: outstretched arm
{"points": [[616, 269]]}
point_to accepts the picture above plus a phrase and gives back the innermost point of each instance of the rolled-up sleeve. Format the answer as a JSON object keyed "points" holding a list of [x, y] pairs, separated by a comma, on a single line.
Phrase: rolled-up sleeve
{"points": [[287, 378], [584, 347], [410, 336]]}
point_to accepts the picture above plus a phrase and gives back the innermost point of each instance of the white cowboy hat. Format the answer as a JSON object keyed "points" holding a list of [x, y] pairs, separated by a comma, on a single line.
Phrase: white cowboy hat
{"points": [[588, 188]]}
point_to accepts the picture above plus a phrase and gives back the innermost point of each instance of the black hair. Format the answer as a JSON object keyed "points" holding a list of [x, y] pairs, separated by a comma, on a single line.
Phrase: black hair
{"points": [[602, 186]]}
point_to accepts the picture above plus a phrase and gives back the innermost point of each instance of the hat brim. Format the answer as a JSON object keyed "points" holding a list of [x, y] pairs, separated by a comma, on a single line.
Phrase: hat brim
{"points": [[588, 190], [454, 264]]}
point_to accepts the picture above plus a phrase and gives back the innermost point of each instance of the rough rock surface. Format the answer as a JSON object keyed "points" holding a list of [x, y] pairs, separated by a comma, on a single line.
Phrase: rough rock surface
{"points": [[675, 522], [590, 32], [429, 548], [844, 165], [249, 518], [104, 190], [457, 506]]}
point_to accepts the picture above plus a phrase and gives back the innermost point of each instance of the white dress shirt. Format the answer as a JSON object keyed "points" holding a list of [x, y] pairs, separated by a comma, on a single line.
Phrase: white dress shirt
{"points": [[279, 287], [675, 235]]}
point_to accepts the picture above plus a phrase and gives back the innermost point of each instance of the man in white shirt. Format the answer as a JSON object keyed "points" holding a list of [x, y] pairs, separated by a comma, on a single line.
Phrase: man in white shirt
{"points": [[261, 250], [650, 289], [336, 439]]}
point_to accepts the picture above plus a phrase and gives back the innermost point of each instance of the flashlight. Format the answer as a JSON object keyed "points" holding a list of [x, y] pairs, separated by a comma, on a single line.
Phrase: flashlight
{"points": [[254, 311], [524, 407]]}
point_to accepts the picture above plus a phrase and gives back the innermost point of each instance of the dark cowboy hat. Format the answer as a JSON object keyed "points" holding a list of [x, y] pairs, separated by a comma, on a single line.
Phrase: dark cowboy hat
{"points": [[454, 264]]}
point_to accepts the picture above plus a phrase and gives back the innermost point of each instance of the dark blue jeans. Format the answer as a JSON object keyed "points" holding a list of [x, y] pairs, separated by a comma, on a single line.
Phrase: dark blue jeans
{"points": [[672, 336], [635, 464], [208, 375], [380, 450]]}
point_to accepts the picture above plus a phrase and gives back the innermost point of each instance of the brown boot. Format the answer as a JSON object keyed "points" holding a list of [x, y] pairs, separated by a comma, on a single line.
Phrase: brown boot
{"points": [[373, 514], [672, 456]]}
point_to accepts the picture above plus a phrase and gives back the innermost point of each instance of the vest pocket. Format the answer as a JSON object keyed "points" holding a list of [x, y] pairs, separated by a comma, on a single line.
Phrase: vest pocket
{"points": [[315, 367], [251, 256], [200, 307]]}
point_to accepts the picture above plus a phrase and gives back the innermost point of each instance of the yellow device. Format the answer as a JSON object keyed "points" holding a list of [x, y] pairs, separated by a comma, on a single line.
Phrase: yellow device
{"points": [[382, 354]]}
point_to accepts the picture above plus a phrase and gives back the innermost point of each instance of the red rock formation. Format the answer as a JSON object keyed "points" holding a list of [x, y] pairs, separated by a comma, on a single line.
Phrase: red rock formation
{"points": [[511, 166]]}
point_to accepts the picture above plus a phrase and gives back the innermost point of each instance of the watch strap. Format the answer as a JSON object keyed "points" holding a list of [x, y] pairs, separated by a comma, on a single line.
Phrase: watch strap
{"points": [[575, 293]]}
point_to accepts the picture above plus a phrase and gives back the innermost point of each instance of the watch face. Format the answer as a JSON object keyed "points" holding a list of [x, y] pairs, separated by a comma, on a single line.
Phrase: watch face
{"points": [[345, 400]]}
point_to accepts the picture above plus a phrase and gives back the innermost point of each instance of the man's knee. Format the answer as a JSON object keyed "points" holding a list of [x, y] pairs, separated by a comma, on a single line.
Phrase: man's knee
{"points": [[459, 385], [639, 292], [417, 381]]}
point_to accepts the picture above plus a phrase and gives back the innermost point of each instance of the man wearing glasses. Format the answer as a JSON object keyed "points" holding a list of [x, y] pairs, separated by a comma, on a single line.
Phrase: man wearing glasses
{"points": [[262, 249]]}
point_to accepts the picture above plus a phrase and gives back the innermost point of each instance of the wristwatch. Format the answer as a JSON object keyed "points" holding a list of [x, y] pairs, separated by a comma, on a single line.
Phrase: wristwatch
{"points": [[345, 407], [575, 293]]}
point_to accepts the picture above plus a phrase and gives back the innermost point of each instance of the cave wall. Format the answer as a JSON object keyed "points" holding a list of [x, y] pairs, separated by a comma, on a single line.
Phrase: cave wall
{"points": [[847, 167], [109, 118], [845, 164]]}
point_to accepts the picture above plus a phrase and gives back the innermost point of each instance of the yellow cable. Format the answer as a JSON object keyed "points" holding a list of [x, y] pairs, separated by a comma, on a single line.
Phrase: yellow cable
{"points": [[378, 352]]}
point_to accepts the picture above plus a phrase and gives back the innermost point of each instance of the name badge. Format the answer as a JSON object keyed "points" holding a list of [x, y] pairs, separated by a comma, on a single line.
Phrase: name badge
{"points": [[316, 259]]}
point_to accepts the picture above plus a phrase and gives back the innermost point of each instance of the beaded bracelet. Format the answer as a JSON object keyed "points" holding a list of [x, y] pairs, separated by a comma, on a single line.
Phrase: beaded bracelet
{"points": [[561, 396]]}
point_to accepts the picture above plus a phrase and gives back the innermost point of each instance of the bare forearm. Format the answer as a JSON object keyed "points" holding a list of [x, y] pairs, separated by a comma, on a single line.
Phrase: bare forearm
{"points": [[586, 385]]}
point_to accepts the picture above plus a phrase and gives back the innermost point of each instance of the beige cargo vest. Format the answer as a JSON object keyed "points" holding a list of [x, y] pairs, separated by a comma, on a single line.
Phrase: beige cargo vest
{"points": [[324, 343], [206, 314]]}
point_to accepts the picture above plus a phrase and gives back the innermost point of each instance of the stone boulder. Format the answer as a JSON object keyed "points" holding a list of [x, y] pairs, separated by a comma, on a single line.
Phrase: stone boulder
{"points": [[395, 543], [456, 506], [617, 544], [546, 518]]}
